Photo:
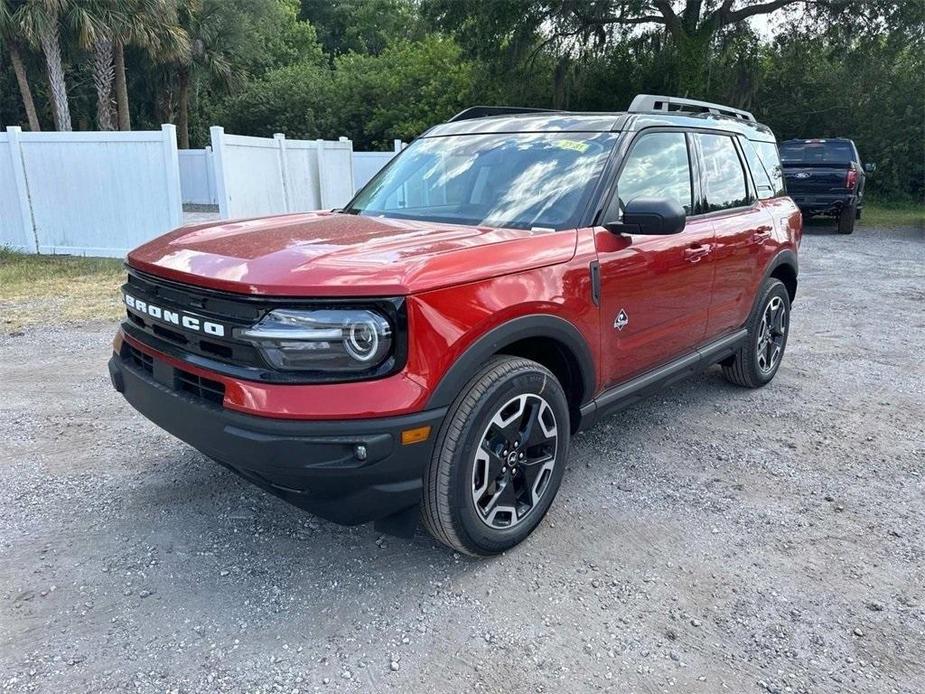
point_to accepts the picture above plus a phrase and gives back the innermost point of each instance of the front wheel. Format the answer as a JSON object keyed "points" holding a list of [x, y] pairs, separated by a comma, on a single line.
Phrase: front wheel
{"points": [[757, 361], [499, 458]]}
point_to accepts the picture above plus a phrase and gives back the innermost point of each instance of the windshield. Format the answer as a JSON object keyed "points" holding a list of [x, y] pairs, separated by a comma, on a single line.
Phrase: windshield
{"points": [[819, 151], [522, 180]]}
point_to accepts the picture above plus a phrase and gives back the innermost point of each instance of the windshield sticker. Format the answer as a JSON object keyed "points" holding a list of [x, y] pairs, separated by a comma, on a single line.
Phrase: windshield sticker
{"points": [[571, 144]]}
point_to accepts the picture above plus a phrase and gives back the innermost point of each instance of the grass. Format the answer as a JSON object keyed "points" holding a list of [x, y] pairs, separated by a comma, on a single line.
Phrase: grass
{"points": [[43, 289], [881, 213]]}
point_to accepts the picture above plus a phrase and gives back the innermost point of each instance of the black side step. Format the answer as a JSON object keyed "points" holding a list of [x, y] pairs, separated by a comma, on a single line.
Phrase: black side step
{"points": [[644, 385]]}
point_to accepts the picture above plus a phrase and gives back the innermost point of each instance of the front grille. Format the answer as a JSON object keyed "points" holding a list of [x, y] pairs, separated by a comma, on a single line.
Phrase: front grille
{"points": [[178, 380], [212, 344], [230, 313]]}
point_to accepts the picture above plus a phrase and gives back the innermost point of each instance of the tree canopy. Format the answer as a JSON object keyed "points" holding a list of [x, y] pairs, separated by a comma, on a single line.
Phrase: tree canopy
{"points": [[375, 70]]}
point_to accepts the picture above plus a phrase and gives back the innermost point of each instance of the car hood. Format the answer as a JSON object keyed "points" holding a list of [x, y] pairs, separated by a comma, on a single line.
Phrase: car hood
{"points": [[335, 254]]}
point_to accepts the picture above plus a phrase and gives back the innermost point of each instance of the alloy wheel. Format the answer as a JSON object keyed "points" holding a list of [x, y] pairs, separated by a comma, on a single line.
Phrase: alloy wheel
{"points": [[514, 461], [771, 335]]}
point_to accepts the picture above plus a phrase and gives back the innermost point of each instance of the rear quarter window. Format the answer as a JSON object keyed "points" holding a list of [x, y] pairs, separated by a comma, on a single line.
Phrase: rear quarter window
{"points": [[767, 153], [763, 185]]}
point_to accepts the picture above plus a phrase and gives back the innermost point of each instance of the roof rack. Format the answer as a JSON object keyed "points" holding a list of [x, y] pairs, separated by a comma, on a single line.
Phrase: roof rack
{"points": [[483, 111], [644, 103]]}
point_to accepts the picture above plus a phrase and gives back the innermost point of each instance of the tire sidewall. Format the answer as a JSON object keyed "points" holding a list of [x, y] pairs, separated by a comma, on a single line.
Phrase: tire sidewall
{"points": [[472, 530], [846, 220], [772, 288]]}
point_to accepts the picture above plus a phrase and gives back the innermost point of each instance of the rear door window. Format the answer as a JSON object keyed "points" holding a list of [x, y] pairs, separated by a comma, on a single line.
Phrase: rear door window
{"points": [[724, 180]]}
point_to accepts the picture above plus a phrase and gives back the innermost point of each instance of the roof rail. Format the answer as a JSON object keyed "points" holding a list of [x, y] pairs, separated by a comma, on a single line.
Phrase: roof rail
{"points": [[644, 103], [483, 111]]}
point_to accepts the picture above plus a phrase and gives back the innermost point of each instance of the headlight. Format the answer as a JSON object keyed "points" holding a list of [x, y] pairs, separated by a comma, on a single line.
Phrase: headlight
{"points": [[330, 340]]}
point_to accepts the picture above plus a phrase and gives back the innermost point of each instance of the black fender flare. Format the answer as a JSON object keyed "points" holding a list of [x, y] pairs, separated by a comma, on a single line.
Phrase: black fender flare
{"points": [[496, 339], [785, 257]]}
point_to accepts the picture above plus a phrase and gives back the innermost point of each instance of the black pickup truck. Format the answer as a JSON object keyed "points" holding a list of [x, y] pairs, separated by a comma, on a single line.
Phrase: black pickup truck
{"points": [[826, 177]]}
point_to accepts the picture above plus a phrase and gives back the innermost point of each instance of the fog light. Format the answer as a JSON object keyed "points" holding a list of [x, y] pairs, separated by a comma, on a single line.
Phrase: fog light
{"points": [[409, 436], [359, 451]]}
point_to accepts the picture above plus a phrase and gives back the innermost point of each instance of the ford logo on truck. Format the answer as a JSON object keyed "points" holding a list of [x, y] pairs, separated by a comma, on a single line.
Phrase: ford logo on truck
{"points": [[178, 318]]}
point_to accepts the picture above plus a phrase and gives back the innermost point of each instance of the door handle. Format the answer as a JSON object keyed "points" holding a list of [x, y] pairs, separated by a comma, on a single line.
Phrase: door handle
{"points": [[693, 254], [761, 236]]}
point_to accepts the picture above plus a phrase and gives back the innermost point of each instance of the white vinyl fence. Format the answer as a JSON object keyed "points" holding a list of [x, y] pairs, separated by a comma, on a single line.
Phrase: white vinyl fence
{"points": [[197, 168], [104, 193], [91, 193], [197, 176], [258, 176], [367, 164]]}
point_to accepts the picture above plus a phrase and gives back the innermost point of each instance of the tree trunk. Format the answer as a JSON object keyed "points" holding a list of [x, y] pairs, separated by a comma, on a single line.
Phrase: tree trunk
{"points": [[183, 115], [693, 51], [56, 81], [125, 120], [103, 75], [24, 88]]}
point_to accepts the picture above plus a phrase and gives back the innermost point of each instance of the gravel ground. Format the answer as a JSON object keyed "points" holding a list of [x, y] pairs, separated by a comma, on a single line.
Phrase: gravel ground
{"points": [[710, 539]]}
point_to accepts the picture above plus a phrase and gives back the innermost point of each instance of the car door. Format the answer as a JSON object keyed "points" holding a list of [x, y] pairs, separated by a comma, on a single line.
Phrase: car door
{"points": [[742, 224], [655, 290]]}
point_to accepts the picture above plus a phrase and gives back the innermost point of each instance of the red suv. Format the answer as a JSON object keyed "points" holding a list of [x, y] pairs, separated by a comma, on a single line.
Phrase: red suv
{"points": [[428, 351]]}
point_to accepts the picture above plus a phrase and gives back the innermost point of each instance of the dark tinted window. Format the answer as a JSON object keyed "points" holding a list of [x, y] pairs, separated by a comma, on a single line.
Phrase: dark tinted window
{"points": [[767, 151], [524, 180], [723, 176], [825, 151], [657, 167]]}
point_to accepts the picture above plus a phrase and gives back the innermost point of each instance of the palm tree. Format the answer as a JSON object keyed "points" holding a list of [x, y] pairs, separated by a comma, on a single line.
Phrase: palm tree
{"points": [[93, 22], [9, 38], [208, 54], [148, 24], [40, 22]]}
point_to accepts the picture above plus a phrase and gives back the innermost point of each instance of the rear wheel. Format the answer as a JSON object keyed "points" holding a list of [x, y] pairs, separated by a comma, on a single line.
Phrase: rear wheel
{"points": [[846, 219], [757, 361], [499, 458]]}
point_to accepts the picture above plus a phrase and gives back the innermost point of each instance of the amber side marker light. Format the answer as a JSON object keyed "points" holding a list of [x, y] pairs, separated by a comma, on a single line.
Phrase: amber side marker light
{"points": [[418, 435]]}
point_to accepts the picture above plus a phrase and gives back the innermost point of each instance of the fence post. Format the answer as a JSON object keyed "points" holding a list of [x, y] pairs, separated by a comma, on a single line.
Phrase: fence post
{"points": [[210, 175], [349, 165], [322, 196], [217, 134], [22, 183], [280, 139], [172, 166], [397, 146]]}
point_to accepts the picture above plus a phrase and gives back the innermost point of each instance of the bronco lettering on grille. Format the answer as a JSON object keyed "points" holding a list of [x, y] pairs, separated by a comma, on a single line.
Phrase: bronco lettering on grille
{"points": [[177, 318]]}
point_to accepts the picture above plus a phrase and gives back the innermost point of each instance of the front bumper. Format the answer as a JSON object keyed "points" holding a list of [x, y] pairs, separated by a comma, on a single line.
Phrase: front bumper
{"points": [[311, 464]]}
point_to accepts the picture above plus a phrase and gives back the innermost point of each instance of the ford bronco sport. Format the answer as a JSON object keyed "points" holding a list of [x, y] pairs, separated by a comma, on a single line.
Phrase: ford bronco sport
{"points": [[511, 277]]}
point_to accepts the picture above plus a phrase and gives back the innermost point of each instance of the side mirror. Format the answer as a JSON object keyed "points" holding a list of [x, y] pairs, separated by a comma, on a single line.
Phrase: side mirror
{"points": [[870, 167], [653, 216]]}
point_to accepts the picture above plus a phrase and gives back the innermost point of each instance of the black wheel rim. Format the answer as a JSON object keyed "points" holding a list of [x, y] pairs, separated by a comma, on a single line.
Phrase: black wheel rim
{"points": [[772, 333], [514, 461]]}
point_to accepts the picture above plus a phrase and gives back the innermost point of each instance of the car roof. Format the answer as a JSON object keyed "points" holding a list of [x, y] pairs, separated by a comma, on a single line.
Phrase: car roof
{"points": [[618, 121]]}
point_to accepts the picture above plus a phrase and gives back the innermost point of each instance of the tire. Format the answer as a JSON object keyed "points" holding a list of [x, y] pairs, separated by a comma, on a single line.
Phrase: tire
{"points": [[846, 220], [751, 367], [464, 499]]}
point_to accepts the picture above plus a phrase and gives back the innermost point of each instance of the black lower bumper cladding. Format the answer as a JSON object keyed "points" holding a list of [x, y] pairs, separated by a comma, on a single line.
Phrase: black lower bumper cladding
{"points": [[349, 471]]}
